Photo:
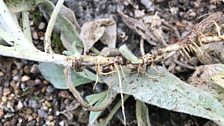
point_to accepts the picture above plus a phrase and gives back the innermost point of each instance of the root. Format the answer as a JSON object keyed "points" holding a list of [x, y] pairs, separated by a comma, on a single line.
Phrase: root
{"points": [[121, 92], [97, 77], [76, 94]]}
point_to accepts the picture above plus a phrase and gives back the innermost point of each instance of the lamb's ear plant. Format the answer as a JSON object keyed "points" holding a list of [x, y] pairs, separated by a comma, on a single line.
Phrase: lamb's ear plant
{"points": [[154, 86]]}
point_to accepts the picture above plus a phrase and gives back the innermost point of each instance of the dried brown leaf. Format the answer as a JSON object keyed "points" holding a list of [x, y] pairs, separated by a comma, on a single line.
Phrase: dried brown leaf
{"points": [[212, 53], [104, 29], [109, 36], [139, 27]]}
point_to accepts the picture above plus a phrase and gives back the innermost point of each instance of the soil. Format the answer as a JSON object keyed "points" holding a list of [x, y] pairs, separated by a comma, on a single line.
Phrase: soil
{"points": [[28, 99]]}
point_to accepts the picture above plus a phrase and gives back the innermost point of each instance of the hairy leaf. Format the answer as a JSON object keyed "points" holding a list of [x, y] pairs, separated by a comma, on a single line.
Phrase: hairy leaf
{"points": [[97, 99], [104, 29], [142, 114], [16, 6], [169, 92], [63, 25], [54, 73]]}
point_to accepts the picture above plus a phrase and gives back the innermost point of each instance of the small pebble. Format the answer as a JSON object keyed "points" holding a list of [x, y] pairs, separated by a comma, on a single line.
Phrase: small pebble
{"points": [[10, 105], [8, 115], [19, 105], [45, 107], [6, 83], [18, 92], [45, 82], [42, 38], [42, 113], [15, 85], [49, 89], [26, 69], [1, 113], [33, 104], [4, 99], [191, 13], [11, 96], [22, 86], [31, 123], [6, 91], [38, 119], [15, 72], [28, 111], [29, 117], [25, 78], [47, 103], [37, 81], [50, 117], [8, 123], [41, 25], [31, 23], [31, 83], [62, 123], [16, 78], [20, 120], [63, 94], [1, 74], [34, 115], [50, 123], [34, 69], [35, 35]]}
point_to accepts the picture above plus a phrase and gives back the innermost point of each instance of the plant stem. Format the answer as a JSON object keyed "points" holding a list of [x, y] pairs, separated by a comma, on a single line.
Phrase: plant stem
{"points": [[35, 55], [47, 40], [26, 25], [12, 27]]}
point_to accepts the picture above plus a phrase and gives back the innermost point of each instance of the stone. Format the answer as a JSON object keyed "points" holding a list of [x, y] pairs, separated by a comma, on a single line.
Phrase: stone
{"points": [[34, 69], [19, 106], [31, 83], [50, 117], [33, 104], [1, 113], [6, 91], [35, 35], [25, 78], [26, 69], [41, 26], [42, 113]]}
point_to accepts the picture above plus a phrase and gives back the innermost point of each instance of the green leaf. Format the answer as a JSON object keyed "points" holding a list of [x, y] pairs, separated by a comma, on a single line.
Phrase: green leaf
{"points": [[54, 73], [93, 98], [128, 54], [169, 92], [112, 113], [98, 100], [142, 114], [62, 25], [16, 6]]}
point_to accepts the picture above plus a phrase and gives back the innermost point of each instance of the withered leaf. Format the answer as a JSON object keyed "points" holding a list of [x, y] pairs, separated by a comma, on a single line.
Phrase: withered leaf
{"points": [[139, 27], [104, 29]]}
